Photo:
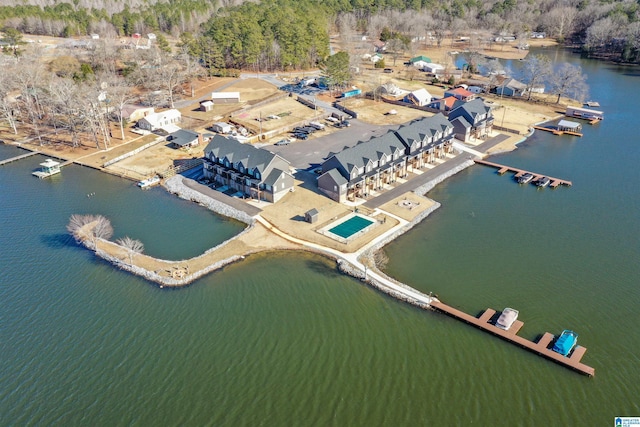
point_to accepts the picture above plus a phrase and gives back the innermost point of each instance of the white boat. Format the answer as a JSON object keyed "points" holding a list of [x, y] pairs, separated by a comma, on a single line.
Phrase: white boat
{"points": [[149, 182], [543, 182], [507, 318], [49, 167], [525, 178]]}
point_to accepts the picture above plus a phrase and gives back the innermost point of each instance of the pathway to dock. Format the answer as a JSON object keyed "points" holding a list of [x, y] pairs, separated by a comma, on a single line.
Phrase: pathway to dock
{"points": [[502, 169], [20, 157], [541, 347]]}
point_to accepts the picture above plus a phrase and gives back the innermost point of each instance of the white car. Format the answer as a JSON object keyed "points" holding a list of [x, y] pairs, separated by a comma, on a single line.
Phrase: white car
{"points": [[283, 142]]}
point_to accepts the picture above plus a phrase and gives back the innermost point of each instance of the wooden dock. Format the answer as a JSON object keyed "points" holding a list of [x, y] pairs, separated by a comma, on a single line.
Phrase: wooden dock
{"points": [[557, 131], [20, 157], [502, 169], [541, 347]]}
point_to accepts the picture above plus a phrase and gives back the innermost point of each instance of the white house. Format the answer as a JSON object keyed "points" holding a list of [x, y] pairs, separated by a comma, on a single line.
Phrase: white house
{"points": [[133, 112], [375, 58], [420, 97], [432, 68], [155, 121]]}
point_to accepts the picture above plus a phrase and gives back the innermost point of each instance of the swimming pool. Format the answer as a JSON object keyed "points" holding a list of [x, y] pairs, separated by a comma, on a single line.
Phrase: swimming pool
{"points": [[351, 226]]}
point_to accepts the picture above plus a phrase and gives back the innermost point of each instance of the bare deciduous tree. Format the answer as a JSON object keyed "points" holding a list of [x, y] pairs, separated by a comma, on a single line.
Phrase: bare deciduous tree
{"points": [[8, 104], [601, 33], [568, 80], [100, 227], [31, 78], [560, 21], [536, 69], [132, 246]]}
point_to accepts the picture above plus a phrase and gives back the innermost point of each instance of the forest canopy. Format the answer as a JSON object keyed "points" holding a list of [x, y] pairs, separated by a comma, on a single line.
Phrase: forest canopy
{"points": [[283, 33]]}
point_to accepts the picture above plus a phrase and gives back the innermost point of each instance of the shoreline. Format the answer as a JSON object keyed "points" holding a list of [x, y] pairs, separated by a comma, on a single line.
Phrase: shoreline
{"points": [[359, 264], [268, 235]]}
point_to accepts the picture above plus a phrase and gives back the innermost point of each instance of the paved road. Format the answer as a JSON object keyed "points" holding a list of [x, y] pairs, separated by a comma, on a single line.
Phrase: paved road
{"points": [[312, 152], [490, 143], [432, 174], [417, 181]]}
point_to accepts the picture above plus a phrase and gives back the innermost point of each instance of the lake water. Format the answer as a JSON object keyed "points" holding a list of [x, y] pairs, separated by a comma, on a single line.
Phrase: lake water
{"points": [[282, 339]]}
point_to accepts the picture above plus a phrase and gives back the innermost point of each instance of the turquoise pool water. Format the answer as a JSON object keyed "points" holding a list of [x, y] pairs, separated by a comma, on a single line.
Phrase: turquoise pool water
{"points": [[351, 226]]}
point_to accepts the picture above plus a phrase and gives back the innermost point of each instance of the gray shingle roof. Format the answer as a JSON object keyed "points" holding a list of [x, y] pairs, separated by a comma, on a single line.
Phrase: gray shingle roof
{"points": [[337, 178], [273, 177], [237, 152], [423, 128], [462, 121], [182, 137], [472, 108], [514, 84], [371, 150]]}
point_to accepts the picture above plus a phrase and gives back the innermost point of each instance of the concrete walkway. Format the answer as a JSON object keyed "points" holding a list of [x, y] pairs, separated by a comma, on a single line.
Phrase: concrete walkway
{"points": [[417, 181], [352, 258], [223, 198]]}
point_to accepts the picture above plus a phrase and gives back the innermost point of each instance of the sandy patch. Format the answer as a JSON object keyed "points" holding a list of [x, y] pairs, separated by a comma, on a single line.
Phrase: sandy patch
{"points": [[377, 112], [252, 89], [290, 111]]}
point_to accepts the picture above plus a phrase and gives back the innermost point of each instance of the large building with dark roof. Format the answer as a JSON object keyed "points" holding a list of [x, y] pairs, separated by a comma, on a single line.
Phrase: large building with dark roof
{"points": [[372, 164], [254, 172], [472, 119]]}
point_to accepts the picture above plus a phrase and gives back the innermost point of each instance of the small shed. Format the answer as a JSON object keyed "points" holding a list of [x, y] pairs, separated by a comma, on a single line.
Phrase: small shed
{"points": [[222, 127], [206, 106], [311, 216]]}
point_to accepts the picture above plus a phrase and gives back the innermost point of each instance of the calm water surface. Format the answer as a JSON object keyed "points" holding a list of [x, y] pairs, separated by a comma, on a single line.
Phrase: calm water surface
{"points": [[283, 340]]}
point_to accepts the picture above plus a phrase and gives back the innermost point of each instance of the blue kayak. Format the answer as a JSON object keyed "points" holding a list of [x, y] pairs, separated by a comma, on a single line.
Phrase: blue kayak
{"points": [[565, 342]]}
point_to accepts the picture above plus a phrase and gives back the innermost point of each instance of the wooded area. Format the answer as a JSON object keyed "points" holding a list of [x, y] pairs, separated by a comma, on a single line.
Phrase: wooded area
{"points": [[293, 33]]}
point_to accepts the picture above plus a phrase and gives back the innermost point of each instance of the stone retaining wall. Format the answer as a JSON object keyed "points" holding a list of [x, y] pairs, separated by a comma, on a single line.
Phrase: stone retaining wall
{"points": [[423, 189], [176, 186], [348, 268]]}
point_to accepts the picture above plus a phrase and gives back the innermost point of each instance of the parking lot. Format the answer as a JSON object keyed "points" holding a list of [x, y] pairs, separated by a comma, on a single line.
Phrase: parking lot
{"points": [[312, 152]]}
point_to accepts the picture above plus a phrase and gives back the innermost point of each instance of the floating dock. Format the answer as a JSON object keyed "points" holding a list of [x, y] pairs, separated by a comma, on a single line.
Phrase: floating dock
{"points": [[15, 159], [541, 347], [502, 169]]}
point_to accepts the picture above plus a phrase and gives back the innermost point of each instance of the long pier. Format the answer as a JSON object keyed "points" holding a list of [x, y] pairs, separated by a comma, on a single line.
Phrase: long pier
{"points": [[502, 169], [20, 157], [541, 347]]}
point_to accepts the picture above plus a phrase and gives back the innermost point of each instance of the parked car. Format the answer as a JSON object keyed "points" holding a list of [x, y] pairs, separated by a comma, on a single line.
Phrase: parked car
{"points": [[305, 129], [387, 70], [301, 136], [283, 142]]}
